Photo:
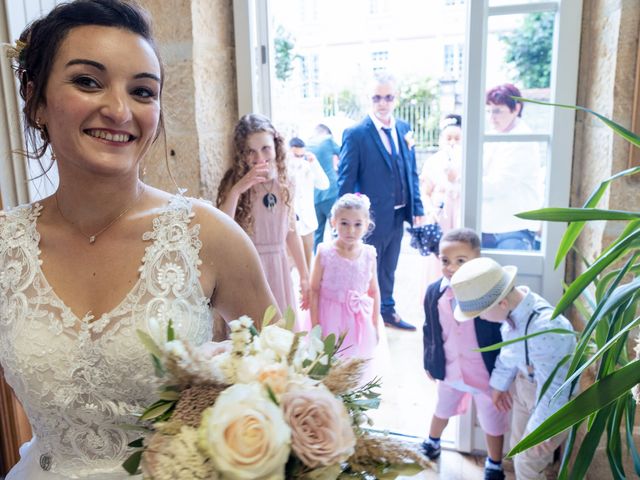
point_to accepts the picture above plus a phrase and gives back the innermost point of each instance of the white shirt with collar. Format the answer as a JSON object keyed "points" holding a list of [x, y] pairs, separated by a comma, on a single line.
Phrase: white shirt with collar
{"points": [[512, 182], [383, 136], [307, 176], [545, 351]]}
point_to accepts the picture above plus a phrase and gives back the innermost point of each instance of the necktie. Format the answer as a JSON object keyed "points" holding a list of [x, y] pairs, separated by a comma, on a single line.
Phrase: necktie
{"points": [[451, 298], [387, 132]]}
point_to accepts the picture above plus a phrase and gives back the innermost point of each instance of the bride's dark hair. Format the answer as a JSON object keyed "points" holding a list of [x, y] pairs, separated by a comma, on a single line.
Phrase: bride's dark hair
{"points": [[39, 44]]}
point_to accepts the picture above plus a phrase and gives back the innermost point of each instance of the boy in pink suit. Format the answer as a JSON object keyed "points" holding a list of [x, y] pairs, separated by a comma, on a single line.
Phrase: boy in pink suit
{"points": [[450, 357]]}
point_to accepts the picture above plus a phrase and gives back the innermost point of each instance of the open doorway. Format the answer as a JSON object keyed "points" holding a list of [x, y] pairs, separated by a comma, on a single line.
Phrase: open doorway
{"points": [[310, 61], [321, 62]]}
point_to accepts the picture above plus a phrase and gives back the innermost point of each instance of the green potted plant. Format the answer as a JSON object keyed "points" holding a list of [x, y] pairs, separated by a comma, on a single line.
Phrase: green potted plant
{"points": [[612, 288]]}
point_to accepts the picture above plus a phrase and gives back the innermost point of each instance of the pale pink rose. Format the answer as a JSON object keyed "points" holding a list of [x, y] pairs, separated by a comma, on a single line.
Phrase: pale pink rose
{"points": [[208, 350], [321, 432]]}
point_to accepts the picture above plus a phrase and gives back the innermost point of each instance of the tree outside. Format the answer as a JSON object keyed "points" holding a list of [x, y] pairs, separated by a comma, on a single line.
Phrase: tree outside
{"points": [[529, 49]]}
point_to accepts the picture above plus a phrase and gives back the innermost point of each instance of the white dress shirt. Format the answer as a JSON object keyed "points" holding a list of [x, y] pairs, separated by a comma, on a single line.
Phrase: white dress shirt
{"points": [[306, 176], [512, 182], [545, 351]]}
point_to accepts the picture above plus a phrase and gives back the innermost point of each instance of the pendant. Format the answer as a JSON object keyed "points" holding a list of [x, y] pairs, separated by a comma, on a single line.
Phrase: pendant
{"points": [[269, 201], [92, 239]]}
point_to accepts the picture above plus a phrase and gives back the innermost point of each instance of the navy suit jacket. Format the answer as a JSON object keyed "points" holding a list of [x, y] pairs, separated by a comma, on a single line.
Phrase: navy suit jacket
{"points": [[365, 167]]}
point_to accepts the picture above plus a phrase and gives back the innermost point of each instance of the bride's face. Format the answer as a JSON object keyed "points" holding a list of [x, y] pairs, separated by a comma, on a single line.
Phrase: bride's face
{"points": [[102, 100]]}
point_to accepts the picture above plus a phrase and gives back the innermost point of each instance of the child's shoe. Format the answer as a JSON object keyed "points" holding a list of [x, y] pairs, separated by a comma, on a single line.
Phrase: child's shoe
{"points": [[430, 450], [493, 470], [493, 474]]}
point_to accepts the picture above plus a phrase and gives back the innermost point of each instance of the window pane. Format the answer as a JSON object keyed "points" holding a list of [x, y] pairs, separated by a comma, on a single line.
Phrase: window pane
{"points": [[513, 181], [501, 3], [519, 54]]}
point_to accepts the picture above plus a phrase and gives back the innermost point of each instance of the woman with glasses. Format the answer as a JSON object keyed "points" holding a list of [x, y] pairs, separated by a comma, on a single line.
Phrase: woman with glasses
{"points": [[512, 179]]}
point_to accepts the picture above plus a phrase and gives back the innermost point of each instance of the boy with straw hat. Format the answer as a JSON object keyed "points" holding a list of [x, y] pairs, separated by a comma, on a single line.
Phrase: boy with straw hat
{"points": [[484, 288]]}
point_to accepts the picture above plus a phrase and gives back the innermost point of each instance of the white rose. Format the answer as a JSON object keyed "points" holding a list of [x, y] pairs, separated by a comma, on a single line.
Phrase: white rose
{"points": [[276, 339], [247, 369], [310, 348], [245, 435]]}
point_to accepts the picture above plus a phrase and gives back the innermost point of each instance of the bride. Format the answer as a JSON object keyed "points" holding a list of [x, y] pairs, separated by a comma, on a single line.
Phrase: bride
{"points": [[105, 255]]}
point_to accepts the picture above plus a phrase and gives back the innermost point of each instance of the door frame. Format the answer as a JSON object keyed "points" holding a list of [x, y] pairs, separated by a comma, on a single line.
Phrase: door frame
{"points": [[564, 86]]}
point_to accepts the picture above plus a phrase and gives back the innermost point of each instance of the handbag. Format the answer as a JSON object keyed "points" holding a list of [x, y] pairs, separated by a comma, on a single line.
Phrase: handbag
{"points": [[426, 238]]}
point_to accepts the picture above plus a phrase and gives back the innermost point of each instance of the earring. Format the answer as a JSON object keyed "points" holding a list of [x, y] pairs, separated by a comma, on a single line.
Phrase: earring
{"points": [[43, 130]]}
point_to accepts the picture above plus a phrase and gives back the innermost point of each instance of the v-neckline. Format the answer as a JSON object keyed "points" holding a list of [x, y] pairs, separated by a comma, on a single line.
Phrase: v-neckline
{"points": [[88, 321]]}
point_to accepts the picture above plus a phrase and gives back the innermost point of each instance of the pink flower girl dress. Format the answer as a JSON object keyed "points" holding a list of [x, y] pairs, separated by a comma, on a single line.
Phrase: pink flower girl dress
{"points": [[344, 305]]}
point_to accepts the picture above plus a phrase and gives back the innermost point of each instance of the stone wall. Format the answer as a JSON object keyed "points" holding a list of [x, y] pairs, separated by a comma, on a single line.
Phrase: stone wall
{"points": [[199, 100], [608, 55]]}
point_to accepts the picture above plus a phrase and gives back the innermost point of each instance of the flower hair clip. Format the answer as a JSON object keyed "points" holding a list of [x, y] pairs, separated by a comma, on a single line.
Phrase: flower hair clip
{"points": [[16, 52]]}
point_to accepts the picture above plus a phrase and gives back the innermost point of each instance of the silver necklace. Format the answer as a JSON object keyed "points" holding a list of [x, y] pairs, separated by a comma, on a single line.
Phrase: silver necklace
{"points": [[92, 238]]}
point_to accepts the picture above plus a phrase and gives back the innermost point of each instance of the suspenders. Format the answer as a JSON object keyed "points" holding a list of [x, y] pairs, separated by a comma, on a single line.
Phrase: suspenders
{"points": [[533, 315]]}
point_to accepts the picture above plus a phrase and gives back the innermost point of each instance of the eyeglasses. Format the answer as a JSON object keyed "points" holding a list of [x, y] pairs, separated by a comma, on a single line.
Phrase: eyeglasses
{"points": [[386, 98], [300, 155], [497, 111]]}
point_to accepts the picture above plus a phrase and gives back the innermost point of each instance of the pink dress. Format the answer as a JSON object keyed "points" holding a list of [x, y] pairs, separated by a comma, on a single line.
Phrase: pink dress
{"points": [[344, 305], [269, 236]]}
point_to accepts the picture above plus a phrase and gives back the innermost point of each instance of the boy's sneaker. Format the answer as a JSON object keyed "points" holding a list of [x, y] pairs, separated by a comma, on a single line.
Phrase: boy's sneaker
{"points": [[432, 452], [493, 474]]}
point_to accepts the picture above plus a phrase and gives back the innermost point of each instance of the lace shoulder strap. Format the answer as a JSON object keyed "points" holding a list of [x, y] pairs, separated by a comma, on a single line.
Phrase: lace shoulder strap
{"points": [[172, 261], [19, 237], [18, 225]]}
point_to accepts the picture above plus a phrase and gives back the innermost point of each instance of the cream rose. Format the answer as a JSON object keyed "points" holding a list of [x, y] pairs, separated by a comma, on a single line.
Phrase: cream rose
{"points": [[245, 435], [321, 432], [278, 340]]}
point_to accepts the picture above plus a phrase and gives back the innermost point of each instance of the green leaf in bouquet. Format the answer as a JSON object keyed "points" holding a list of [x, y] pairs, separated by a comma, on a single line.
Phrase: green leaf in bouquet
{"points": [[331, 472], [254, 331], [169, 395], [133, 427], [269, 315], [289, 319], [156, 410], [149, 343], [272, 396], [132, 464], [394, 471], [157, 366], [329, 344], [137, 443], [365, 403], [171, 333]]}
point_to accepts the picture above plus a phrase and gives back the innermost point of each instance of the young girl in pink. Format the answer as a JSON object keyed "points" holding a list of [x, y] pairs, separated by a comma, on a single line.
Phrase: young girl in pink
{"points": [[257, 193], [345, 297]]}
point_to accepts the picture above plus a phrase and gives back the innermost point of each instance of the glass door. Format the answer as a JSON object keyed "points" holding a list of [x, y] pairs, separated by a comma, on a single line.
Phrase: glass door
{"points": [[464, 43], [518, 155]]}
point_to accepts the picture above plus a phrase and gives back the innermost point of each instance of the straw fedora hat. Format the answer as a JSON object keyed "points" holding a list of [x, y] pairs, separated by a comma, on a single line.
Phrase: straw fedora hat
{"points": [[479, 285]]}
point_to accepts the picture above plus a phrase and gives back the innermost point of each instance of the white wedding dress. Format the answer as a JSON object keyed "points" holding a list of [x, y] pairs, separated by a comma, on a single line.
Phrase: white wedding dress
{"points": [[81, 379]]}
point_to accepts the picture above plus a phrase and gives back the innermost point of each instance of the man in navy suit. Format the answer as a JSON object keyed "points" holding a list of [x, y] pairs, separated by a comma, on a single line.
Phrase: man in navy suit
{"points": [[377, 158]]}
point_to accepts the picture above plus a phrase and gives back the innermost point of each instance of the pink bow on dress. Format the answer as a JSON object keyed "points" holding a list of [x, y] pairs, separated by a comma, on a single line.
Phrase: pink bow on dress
{"points": [[361, 305]]}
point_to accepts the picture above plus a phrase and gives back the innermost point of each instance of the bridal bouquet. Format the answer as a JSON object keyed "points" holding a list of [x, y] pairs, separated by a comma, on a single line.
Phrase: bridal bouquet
{"points": [[268, 405]]}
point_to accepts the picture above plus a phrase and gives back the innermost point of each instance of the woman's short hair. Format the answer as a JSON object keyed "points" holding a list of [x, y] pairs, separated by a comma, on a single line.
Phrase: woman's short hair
{"points": [[502, 95]]}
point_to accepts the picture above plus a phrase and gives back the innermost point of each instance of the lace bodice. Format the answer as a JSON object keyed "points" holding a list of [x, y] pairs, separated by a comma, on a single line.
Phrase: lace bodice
{"points": [[81, 379]]}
